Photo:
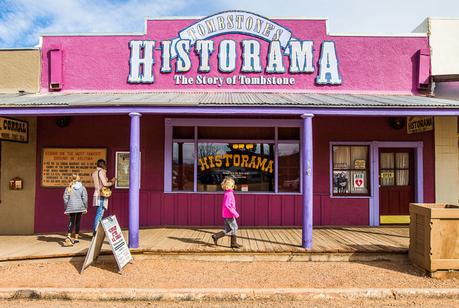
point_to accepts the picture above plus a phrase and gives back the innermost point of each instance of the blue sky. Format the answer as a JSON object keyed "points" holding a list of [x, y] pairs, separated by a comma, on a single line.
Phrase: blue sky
{"points": [[22, 21]]}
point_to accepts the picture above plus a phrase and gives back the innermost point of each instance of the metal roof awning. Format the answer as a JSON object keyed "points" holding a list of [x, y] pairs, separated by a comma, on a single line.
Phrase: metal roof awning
{"points": [[225, 99], [194, 102]]}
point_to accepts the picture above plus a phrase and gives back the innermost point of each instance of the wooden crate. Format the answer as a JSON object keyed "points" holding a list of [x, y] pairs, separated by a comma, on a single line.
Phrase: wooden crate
{"points": [[434, 236]]}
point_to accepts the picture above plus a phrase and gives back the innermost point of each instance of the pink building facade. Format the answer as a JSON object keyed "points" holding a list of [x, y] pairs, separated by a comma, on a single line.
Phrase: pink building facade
{"points": [[312, 126]]}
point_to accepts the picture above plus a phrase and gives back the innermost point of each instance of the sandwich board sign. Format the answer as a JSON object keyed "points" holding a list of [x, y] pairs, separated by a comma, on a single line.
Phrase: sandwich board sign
{"points": [[108, 227]]}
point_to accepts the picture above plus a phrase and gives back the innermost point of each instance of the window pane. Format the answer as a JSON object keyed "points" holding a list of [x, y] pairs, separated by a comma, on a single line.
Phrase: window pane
{"points": [[359, 156], [341, 157], [183, 132], [403, 177], [182, 166], [359, 182], [387, 161], [402, 160], [288, 133], [252, 166], [341, 182], [289, 167], [386, 177], [264, 133]]}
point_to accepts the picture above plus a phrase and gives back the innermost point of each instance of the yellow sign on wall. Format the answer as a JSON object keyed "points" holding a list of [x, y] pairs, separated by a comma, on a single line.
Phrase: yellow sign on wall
{"points": [[14, 130], [419, 124], [58, 165]]}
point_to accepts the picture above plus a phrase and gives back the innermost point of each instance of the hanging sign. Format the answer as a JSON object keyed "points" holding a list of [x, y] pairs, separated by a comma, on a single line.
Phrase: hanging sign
{"points": [[58, 165], [14, 130], [109, 228], [359, 180], [419, 124]]}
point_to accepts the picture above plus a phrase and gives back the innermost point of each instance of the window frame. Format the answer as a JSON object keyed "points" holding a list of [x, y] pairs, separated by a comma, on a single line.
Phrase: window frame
{"points": [[170, 123], [368, 170], [410, 167]]}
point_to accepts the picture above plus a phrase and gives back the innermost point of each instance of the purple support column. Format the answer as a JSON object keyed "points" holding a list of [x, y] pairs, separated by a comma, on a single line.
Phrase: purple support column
{"points": [[134, 183], [307, 180]]}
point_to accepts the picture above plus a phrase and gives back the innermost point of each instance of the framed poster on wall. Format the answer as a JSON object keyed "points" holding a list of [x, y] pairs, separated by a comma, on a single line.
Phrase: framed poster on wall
{"points": [[58, 165], [122, 169]]}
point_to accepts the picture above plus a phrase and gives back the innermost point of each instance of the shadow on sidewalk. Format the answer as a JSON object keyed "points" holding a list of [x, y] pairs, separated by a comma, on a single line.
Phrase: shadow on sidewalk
{"points": [[253, 239], [190, 241], [60, 239]]}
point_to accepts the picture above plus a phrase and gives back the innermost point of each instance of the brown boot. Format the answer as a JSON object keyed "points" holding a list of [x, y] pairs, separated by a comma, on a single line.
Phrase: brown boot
{"points": [[218, 236], [234, 243]]}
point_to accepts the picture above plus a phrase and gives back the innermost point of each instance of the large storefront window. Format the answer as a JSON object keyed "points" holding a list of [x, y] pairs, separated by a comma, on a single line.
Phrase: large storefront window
{"points": [[350, 171], [251, 165], [260, 159]]}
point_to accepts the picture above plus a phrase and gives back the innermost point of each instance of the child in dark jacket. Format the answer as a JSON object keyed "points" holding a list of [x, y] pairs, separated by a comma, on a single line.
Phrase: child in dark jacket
{"points": [[229, 214], [75, 204]]}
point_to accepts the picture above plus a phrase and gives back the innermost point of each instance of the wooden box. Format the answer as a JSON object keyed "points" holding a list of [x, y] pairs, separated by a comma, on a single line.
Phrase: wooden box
{"points": [[434, 236]]}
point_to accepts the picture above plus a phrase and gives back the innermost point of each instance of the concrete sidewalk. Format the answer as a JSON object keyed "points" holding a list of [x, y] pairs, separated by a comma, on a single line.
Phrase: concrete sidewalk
{"points": [[224, 294]]}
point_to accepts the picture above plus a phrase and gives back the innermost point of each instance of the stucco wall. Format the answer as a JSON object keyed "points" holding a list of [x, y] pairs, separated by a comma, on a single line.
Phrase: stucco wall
{"points": [[443, 33], [446, 160], [367, 64], [19, 70], [17, 207]]}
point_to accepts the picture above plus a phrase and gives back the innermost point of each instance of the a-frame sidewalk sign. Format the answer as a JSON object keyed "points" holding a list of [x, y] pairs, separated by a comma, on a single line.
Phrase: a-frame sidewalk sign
{"points": [[108, 227]]}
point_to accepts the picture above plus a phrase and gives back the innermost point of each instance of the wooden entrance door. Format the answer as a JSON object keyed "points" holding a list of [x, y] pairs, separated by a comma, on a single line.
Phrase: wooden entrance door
{"points": [[396, 185]]}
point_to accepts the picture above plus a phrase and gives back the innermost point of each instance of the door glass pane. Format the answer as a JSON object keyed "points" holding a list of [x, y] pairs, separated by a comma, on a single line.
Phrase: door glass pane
{"points": [[341, 157], [251, 165], [386, 177], [403, 177], [402, 160], [289, 167], [387, 161], [182, 166]]}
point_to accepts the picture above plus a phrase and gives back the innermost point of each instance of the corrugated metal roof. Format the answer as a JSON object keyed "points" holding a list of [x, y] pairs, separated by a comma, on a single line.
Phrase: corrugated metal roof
{"points": [[225, 99]]}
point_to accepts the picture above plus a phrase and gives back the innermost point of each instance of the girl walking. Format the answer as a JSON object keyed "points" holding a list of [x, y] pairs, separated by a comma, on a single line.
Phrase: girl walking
{"points": [[229, 214], [76, 204]]}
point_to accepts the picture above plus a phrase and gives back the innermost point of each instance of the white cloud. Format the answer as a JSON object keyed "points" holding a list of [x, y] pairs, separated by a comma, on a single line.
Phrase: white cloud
{"points": [[28, 19]]}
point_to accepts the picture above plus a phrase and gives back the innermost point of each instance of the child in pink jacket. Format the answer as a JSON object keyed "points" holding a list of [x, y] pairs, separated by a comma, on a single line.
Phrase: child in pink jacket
{"points": [[229, 214]]}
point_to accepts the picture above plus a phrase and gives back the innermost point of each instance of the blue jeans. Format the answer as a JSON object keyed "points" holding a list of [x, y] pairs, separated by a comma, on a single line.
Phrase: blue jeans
{"points": [[99, 213], [230, 226]]}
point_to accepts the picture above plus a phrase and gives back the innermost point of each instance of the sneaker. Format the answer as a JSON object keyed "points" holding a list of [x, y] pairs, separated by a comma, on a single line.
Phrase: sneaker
{"points": [[75, 241], [68, 242]]}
